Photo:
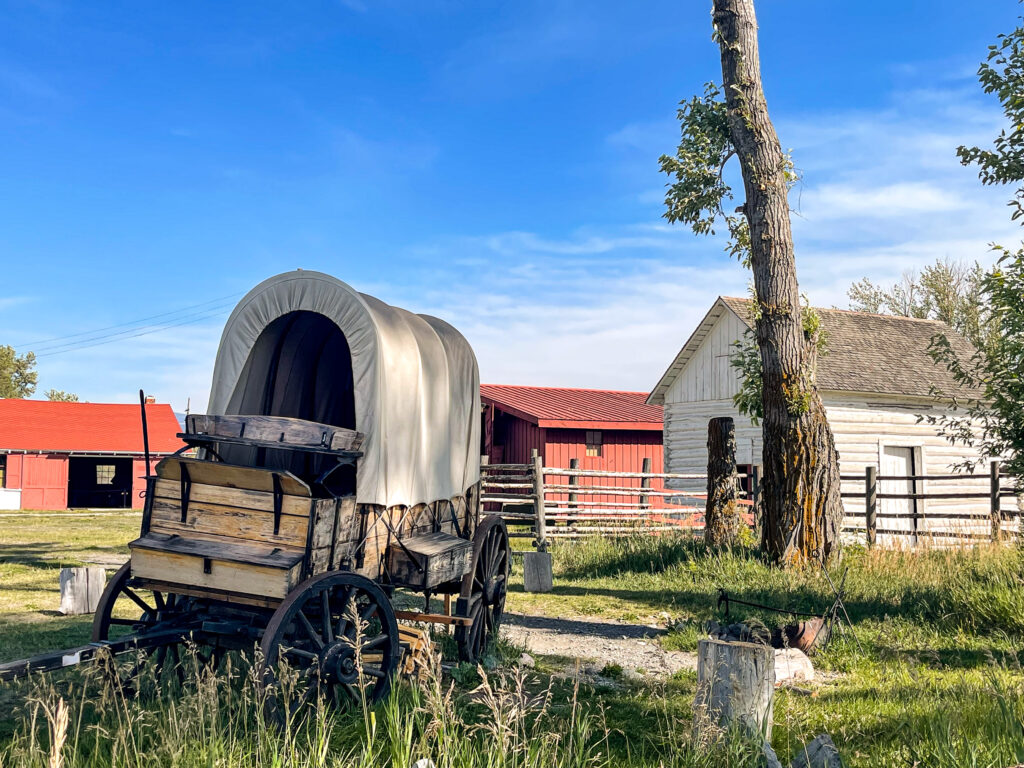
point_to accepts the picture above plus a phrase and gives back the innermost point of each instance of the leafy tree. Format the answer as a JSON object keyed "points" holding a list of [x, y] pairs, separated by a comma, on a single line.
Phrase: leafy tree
{"points": [[802, 510], [992, 419], [60, 396], [946, 290], [17, 373]]}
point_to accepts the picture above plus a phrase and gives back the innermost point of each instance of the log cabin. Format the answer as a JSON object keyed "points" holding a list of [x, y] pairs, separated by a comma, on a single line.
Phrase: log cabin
{"points": [[876, 381]]}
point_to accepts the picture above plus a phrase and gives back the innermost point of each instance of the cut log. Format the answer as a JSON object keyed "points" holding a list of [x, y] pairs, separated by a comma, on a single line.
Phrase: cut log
{"points": [[80, 589], [537, 576], [736, 684]]}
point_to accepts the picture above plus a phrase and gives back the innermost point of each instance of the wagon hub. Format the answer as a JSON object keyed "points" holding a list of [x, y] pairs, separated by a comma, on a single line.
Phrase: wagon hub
{"points": [[338, 661]]}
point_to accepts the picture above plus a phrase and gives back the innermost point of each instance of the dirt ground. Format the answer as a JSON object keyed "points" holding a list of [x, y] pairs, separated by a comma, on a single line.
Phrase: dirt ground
{"points": [[598, 643]]}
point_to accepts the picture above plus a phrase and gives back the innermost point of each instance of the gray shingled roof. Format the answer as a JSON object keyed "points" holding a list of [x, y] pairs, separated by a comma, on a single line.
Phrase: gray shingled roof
{"points": [[878, 353]]}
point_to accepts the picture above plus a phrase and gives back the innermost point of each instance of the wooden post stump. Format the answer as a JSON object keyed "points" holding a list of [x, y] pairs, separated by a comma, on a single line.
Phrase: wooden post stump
{"points": [[721, 512], [537, 575], [736, 684], [80, 589]]}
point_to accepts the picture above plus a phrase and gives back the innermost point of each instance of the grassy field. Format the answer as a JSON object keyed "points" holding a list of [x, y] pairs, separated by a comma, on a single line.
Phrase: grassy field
{"points": [[936, 681]]}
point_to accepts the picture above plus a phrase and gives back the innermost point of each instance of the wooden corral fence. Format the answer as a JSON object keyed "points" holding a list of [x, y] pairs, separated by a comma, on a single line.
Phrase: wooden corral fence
{"points": [[938, 509], [548, 503]]}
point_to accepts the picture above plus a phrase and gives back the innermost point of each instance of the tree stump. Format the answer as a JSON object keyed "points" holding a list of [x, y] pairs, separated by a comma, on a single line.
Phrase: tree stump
{"points": [[721, 513], [80, 589], [736, 684]]}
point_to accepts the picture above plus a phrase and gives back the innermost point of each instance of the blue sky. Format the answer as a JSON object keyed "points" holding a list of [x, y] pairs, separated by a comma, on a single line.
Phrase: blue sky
{"points": [[491, 163]]}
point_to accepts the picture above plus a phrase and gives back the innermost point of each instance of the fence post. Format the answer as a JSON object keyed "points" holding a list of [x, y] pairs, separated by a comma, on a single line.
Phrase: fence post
{"points": [[537, 571], [645, 482], [573, 479], [755, 485], [995, 503], [538, 503], [871, 502]]}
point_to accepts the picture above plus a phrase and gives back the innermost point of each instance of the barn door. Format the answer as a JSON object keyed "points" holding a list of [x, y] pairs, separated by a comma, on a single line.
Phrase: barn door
{"points": [[899, 464]]}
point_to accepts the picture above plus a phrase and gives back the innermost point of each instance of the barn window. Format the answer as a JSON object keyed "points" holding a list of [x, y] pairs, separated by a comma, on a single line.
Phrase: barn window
{"points": [[593, 443], [105, 474]]}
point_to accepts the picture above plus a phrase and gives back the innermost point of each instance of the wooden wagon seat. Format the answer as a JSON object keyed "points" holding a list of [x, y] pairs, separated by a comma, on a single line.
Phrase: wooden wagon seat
{"points": [[240, 529]]}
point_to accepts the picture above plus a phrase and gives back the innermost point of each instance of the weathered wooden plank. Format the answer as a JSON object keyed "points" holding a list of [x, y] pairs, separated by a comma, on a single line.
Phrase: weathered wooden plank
{"points": [[231, 475], [227, 576], [250, 554], [427, 560], [239, 498], [276, 429], [229, 523]]}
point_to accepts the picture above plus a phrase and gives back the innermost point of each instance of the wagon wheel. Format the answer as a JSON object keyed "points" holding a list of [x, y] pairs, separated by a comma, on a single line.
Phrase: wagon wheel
{"points": [[158, 610], [312, 646], [484, 587]]}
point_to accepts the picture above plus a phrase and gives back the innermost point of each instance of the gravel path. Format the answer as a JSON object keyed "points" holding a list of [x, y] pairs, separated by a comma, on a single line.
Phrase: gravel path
{"points": [[598, 643]]}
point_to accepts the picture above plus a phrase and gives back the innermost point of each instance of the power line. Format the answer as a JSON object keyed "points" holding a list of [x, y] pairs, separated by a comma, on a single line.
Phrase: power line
{"points": [[153, 329], [44, 343], [86, 342]]}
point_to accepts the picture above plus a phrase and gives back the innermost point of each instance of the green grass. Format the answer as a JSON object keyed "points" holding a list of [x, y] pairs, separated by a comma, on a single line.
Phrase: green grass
{"points": [[938, 682]]}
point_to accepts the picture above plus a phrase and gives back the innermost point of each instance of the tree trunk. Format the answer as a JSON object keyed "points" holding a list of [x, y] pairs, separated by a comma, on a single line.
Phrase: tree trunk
{"points": [[721, 513], [802, 511]]}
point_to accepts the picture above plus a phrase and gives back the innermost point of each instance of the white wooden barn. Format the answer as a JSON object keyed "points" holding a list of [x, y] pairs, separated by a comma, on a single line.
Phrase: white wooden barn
{"points": [[875, 380]]}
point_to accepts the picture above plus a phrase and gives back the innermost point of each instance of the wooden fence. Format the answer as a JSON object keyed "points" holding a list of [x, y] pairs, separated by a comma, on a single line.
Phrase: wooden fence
{"points": [[937, 508], [550, 503], [569, 503]]}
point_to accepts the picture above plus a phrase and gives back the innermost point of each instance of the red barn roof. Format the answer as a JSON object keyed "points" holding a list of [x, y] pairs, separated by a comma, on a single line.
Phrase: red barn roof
{"points": [[575, 408], [41, 425]]}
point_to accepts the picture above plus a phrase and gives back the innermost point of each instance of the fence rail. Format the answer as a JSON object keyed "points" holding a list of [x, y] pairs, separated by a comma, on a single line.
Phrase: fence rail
{"points": [[551, 503], [571, 503]]}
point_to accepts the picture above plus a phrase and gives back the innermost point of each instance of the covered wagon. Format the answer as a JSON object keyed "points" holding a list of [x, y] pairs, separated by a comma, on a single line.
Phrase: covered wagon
{"points": [[336, 469]]}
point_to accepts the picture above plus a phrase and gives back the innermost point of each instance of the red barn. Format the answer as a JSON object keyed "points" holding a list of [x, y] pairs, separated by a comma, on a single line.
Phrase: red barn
{"points": [[57, 455], [601, 429]]}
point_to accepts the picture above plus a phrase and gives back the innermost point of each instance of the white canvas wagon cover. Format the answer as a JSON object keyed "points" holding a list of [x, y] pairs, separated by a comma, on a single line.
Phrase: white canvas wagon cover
{"points": [[408, 382]]}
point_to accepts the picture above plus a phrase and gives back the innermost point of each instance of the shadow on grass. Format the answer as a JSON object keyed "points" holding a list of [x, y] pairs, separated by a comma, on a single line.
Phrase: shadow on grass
{"points": [[49, 555]]}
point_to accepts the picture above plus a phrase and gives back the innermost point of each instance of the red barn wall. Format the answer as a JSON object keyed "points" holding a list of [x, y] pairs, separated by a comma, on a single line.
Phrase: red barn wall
{"points": [[514, 439], [622, 450], [43, 481]]}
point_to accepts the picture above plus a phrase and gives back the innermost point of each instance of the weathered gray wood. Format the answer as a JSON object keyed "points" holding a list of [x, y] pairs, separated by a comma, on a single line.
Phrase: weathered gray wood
{"points": [[275, 429], [250, 554], [820, 753], [428, 560], [231, 476], [80, 589], [871, 503], [995, 502], [538, 502], [736, 684], [537, 575]]}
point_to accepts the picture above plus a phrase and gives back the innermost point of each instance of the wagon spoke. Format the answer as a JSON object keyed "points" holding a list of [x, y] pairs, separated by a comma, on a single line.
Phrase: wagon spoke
{"points": [[375, 643], [138, 601], [159, 601], [124, 622], [317, 640], [367, 612], [325, 608], [300, 653], [372, 672]]}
